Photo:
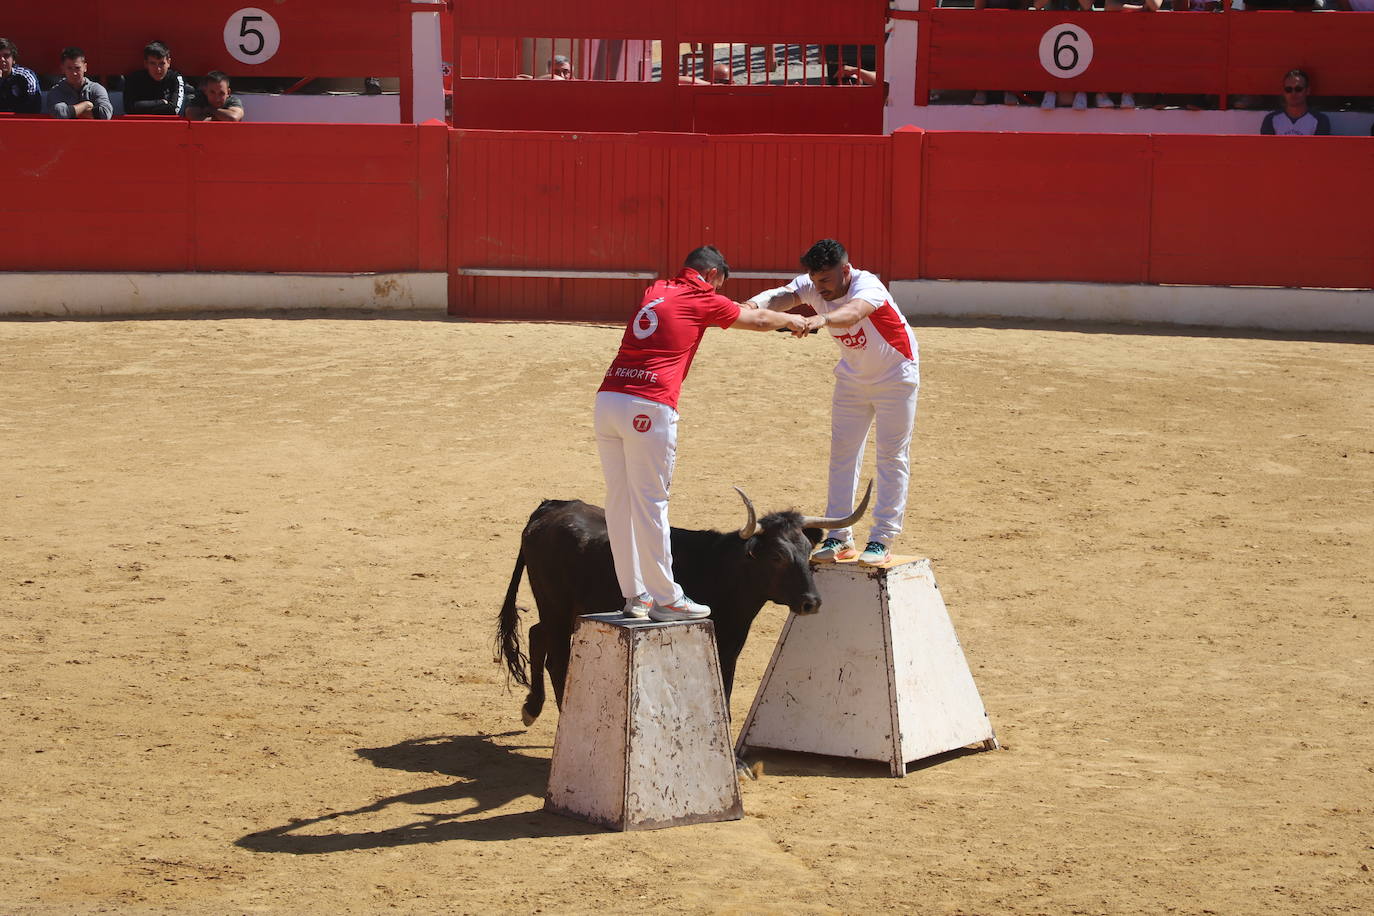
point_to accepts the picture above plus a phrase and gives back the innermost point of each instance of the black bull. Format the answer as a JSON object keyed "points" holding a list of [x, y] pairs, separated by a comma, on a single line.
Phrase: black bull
{"points": [[567, 554]]}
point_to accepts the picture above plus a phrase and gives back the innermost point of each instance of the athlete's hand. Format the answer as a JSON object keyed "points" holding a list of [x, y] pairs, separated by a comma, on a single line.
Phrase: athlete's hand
{"points": [[814, 323], [797, 325]]}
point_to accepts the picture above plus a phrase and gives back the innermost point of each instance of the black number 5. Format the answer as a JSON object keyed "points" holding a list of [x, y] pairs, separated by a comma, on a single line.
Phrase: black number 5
{"points": [[244, 31], [1060, 48]]}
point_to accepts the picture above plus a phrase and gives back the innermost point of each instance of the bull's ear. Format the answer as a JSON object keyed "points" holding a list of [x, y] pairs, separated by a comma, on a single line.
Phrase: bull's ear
{"points": [[813, 535], [749, 547]]}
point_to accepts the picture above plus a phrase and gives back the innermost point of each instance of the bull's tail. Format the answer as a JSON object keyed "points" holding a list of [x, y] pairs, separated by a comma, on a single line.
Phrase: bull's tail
{"points": [[508, 633]]}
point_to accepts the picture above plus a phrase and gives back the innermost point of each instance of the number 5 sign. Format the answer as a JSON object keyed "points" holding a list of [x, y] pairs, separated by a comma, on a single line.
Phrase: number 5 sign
{"points": [[1066, 51], [251, 36]]}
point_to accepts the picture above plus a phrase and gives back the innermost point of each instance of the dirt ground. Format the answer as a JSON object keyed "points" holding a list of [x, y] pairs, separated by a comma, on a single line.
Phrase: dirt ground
{"points": [[250, 569]]}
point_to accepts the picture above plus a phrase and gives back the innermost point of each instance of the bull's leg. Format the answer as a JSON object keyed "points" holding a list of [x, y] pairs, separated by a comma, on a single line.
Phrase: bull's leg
{"points": [[534, 701], [557, 660]]}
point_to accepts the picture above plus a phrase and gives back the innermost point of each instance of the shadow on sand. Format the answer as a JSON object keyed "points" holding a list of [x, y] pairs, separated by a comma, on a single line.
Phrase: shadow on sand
{"points": [[488, 775]]}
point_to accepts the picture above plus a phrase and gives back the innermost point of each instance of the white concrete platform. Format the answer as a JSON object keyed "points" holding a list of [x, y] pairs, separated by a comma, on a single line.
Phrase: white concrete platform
{"points": [[877, 674], [643, 736]]}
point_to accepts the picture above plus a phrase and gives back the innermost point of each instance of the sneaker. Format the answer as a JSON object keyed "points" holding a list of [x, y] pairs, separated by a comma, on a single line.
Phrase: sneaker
{"points": [[1127, 100], [1050, 100], [1010, 98], [1080, 101], [1104, 101], [637, 607], [980, 98], [833, 549], [683, 609], [875, 554]]}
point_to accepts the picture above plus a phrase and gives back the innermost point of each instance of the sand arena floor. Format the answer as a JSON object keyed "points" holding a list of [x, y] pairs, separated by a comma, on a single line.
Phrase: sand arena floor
{"points": [[250, 569]]}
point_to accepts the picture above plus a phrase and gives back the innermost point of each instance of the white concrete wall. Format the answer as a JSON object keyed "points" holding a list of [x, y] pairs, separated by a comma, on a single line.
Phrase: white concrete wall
{"points": [[1233, 307], [97, 294], [1030, 118]]}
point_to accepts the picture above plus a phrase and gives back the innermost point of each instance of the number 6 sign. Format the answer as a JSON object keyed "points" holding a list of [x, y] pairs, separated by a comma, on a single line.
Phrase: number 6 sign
{"points": [[1066, 51], [251, 36]]}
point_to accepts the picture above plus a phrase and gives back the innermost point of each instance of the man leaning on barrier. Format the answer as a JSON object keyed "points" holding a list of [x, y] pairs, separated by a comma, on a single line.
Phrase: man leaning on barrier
{"points": [[78, 96]]}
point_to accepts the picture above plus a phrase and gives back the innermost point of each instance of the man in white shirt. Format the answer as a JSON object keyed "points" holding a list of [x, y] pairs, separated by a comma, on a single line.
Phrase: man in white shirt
{"points": [[876, 379]]}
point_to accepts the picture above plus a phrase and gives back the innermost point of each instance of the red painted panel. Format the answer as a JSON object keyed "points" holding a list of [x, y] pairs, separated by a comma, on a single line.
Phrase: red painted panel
{"points": [[1037, 207], [854, 22], [318, 37], [65, 210], [904, 233], [1000, 49], [786, 109], [763, 200], [564, 105], [1244, 211], [1335, 49], [557, 201], [560, 19]]}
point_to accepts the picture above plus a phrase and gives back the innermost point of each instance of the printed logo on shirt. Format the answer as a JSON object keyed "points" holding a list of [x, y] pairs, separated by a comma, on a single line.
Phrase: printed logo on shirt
{"points": [[646, 322], [642, 423], [856, 341]]}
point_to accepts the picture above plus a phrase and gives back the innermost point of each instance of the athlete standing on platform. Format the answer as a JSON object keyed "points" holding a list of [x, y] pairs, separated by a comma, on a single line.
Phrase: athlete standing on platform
{"points": [[636, 424], [877, 377]]}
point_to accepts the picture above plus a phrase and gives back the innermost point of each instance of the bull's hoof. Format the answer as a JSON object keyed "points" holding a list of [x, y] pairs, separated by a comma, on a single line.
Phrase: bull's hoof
{"points": [[527, 717], [744, 770]]}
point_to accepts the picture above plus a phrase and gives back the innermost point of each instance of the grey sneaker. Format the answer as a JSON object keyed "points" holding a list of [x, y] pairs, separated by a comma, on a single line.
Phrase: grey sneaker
{"points": [[637, 607], [833, 549], [875, 554], [683, 609]]}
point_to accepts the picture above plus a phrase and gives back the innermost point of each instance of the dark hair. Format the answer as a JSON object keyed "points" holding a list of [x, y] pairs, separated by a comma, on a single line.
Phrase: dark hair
{"points": [[7, 45], [823, 255], [705, 258], [214, 76], [73, 53], [1306, 81], [156, 49]]}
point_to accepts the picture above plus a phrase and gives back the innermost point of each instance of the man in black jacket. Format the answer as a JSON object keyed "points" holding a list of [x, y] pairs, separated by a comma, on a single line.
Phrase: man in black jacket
{"points": [[157, 89], [19, 92]]}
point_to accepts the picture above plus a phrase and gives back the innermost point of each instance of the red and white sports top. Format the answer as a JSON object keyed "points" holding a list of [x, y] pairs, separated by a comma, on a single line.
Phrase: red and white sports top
{"points": [[660, 341], [880, 346]]}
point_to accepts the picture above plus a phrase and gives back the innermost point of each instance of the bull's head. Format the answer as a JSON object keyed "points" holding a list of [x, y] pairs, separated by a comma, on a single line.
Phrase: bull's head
{"points": [[781, 546]]}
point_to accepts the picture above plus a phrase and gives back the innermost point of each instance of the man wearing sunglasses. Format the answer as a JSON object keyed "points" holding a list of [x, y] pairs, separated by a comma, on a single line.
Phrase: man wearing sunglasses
{"points": [[1295, 118]]}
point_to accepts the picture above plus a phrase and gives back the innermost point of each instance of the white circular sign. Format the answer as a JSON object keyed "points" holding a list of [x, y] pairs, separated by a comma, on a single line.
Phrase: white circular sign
{"points": [[1066, 51], [251, 36]]}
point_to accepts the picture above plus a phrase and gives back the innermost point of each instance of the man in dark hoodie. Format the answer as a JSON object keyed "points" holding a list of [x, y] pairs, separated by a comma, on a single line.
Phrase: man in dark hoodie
{"points": [[157, 89]]}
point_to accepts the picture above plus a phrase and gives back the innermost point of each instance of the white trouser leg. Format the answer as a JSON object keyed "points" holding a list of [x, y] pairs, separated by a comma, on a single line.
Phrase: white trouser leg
{"points": [[851, 414], [637, 440], [895, 406]]}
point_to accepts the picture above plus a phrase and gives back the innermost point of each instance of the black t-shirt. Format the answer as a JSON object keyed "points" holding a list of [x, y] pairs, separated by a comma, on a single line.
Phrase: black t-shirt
{"points": [[145, 96]]}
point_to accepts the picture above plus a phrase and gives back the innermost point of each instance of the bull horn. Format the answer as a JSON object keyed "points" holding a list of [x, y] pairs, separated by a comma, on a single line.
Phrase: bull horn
{"points": [[811, 521], [750, 526]]}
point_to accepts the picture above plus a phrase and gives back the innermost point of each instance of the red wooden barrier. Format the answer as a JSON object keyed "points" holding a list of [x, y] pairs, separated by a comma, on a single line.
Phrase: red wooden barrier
{"points": [[570, 203], [317, 37], [1036, 207], [173, 196], [1204, 53], [1270, 211]]}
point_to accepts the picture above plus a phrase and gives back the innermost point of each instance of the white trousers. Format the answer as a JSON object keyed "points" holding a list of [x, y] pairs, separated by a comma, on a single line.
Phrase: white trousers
{"points": [[854, 408], [637, 439]]}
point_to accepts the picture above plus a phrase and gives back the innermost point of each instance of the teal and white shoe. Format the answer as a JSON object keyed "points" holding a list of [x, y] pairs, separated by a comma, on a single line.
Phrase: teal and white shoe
{"points": [[833, 549], [875, 554]]}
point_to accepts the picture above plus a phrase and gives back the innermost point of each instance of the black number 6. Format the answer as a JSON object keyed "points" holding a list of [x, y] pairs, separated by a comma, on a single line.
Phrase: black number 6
{"points": [[1061, 48], [262, 42]]}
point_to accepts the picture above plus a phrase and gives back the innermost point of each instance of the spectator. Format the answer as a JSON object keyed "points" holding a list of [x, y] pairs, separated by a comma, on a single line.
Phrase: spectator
{"points": [[216, 102], [1008, 97], [1295, 118], [560, 68], [157, 89], [1116, 6], [76, 96], [19, 93]]}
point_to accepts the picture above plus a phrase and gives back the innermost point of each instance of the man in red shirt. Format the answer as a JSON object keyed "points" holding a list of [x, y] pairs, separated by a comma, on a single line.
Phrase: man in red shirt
{"points": [[636, 424]]}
